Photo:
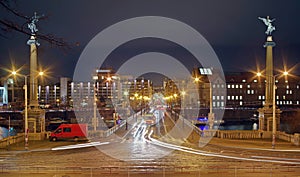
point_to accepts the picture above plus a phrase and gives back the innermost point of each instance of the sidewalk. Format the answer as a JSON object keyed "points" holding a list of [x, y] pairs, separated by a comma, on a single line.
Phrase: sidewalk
{"points": [[38, 145]]}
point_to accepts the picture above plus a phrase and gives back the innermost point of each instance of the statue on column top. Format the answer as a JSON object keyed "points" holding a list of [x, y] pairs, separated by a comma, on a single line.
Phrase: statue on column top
{"points": [[268, 23], [32, 24]]}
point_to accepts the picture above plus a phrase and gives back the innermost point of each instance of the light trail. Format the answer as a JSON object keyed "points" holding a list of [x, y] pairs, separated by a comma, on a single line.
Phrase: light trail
{"points": [[204, 153], [77, 146]]}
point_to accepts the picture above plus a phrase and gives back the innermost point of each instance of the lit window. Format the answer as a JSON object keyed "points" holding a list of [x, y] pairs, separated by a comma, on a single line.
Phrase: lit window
{"points": [[291, 102], [232, 97], [218, 97], [291, 92], [280, 103], [236, 97], [241, 103], [297, 102], [243, 80], [248, 91], [222, 104], [287, 87], [277, 102], [218, 104], [222, 85], [228, 97], [236, 86], [283, 97], [297, 86], [263, 97], [287, 92], [259, 97], [214, 86], [218, 85], [232, 86], [286, 81], [222, 97], [248, 86], [241, 86], [252, 92], [241, 97], [214, 104], [263, 103], [254, 80], [277, 97], [228, 86], [213, 97]]}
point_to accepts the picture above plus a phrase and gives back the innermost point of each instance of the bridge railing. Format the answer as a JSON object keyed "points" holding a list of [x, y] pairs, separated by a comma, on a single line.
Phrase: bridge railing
{"points": [[239, 134], [256, 134], [110, 131], [11, 140]]}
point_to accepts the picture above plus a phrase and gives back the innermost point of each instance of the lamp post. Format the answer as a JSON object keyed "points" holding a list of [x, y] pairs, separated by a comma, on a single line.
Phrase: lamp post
{"points": [[25, 110], [95, 78], [26, 129], [274, 125], [26, 113]]}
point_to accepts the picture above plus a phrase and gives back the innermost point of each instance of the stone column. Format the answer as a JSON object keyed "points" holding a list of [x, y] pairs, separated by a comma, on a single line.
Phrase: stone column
{"points": [[33, 84], [266, 113], [269, 71], [36, 116]]}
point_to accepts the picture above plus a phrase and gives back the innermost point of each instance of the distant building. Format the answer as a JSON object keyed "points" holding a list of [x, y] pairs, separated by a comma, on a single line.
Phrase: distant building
{"points": [[244, 90]]}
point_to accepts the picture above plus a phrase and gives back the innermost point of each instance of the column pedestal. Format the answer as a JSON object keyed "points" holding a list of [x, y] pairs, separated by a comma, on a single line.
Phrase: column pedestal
{"points": [[266, 118], [36, 120]]}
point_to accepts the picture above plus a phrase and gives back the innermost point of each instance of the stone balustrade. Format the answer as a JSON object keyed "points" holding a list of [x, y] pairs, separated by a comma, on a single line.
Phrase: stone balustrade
{"points": [[238, 134], [11, 140], [254, 134]]}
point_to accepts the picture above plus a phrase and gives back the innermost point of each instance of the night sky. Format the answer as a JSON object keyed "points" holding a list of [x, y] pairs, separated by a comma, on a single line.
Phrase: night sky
{"points": [[231, 27]]}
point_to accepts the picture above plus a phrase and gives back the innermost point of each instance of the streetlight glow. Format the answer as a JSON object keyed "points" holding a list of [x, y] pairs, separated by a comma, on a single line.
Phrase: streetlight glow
{"points": [[183, 93], [258, 74]]}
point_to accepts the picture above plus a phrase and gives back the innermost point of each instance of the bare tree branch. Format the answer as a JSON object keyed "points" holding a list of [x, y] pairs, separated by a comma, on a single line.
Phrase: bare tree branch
{"points": [[9, 26], [6, 6]]}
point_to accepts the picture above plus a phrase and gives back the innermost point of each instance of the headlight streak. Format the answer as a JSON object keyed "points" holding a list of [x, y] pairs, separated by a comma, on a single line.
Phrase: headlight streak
{"points": [[198, 152], [77, 146]]}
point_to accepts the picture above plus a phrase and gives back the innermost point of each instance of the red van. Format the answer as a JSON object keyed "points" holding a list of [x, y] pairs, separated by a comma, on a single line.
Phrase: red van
{"points": [[70, 131]]}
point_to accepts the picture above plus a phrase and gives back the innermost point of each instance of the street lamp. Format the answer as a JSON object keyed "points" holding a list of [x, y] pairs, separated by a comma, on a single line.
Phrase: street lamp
{"points": [[95, 78], [274, 128], [26, 108]]}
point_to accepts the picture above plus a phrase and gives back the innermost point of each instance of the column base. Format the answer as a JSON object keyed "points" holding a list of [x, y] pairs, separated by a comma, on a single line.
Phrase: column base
{"points": [[266, 118], [36, 120]]}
